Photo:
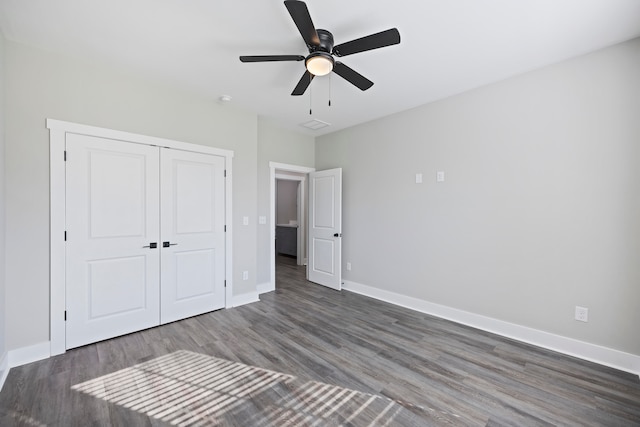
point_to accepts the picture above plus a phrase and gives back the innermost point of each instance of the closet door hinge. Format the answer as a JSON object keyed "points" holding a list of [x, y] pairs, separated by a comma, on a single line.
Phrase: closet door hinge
{"points": [[225, 283], [65, 315], [65, 235], [225, 173], [65, 155], [225, 228]]}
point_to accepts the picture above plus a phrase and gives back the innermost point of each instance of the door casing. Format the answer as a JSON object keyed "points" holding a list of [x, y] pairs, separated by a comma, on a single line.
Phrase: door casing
{"points": [[57, 137]]}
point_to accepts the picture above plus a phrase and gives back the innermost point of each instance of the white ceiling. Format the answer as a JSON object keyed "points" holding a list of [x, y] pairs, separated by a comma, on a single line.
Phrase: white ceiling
{"points": [[448, 46]]}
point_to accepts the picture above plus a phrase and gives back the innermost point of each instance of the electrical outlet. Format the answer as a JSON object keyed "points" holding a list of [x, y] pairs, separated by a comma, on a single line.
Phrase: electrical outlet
{"points": [[582, 314], [349, 266], [245, 275]]}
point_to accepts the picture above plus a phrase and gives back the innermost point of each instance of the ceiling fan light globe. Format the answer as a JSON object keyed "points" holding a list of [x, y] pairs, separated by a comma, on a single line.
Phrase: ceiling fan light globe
{"points": [[319, 64]]}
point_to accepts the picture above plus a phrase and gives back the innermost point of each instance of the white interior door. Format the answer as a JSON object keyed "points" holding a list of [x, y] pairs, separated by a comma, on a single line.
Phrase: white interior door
{"points": [[112, 208], [325, 228], [192, 230]]}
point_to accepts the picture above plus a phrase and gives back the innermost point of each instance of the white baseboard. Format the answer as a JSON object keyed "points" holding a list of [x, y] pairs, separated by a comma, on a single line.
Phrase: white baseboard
{"points": [[243, 299], [263, 288], [22, 356], [594, 353], [4, 368], [32, 353]]}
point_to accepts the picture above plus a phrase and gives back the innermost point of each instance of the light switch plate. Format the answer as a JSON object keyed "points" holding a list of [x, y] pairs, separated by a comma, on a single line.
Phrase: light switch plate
{"points": [[262, 219], [245, 220], [440, 176], [418, 178]]}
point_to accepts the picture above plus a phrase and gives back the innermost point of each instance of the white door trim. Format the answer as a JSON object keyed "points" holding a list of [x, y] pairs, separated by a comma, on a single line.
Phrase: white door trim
{"points": [[277, 168], [57, 136]]}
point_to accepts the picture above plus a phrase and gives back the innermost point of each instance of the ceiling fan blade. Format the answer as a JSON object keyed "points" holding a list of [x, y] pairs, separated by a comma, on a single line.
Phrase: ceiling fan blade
{"points": [[300, 15], [353, 77], [271, 58], [373, 41], [303, 84]]}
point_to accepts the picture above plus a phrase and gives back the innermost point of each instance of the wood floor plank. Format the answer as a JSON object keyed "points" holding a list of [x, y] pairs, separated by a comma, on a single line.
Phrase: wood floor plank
{"points": [[348, 360]]}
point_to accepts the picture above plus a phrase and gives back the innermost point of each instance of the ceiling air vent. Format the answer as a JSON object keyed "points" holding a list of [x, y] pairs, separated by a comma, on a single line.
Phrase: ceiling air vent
{"points": [[315, 124]]}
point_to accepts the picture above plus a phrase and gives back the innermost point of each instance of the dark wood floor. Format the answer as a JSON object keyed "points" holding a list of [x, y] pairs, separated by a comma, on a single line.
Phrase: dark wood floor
{"points": [[307, 355]]}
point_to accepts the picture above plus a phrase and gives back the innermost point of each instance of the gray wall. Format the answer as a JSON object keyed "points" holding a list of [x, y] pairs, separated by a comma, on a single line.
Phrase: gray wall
{"points": [[540, 209], [286, 201], [281, 146], [3, 311], [42, 85]]}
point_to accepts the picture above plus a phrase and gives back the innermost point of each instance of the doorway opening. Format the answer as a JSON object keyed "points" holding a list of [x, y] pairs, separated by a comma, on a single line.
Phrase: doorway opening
{"points": [[290, 217], [293, 179]]}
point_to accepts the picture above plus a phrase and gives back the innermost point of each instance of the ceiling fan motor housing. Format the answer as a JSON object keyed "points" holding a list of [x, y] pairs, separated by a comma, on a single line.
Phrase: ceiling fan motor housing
{"points": [[326, 42]]}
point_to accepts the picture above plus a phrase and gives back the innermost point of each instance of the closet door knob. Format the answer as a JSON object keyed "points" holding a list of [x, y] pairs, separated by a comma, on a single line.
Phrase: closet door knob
{"points": [[151, 245], [167, 244]]}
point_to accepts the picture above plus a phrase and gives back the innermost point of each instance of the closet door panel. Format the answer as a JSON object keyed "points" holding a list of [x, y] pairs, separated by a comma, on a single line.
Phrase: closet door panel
{"points": [[192, 229], [112, 216]]}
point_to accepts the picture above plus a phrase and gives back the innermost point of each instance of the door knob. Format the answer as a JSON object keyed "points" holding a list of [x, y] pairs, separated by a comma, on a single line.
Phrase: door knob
{"points": [[167, 244], [151, 245], [337, 235]]}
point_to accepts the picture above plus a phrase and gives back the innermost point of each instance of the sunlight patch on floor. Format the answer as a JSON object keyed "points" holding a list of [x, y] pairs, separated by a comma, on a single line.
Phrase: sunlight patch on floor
{"points": [[186, 388]]}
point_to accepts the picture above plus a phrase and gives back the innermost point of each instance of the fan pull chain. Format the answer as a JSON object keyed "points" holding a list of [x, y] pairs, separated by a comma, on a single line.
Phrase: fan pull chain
{"points": [[310, 95], [329, 90]]}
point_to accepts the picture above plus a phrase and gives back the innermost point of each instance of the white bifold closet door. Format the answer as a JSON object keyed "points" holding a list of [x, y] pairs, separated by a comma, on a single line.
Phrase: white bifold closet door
{"points": [[145, 236]]}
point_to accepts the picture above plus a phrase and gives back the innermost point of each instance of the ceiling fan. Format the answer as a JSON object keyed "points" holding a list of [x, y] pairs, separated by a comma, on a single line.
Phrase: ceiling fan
{"points": [[320, 60]]}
